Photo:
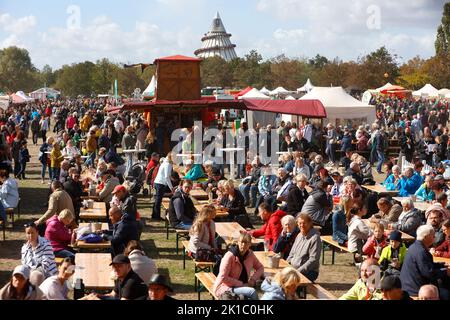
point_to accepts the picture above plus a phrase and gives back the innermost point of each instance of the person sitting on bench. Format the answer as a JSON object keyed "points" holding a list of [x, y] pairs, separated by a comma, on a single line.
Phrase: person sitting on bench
{"points": [[181, 208]]}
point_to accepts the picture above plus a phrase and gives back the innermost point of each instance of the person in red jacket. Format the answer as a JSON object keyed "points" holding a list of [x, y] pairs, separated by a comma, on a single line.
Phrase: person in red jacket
{"points": [[272, 227], [376, 242], [444, 249], [59, 234]]}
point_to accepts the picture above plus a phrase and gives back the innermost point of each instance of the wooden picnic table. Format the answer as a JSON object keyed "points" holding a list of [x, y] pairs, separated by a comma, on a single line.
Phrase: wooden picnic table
{"points": [[97, 213], [262, 256], [105, 225], [219, 213], [230, 232], [441, 259], [420, 205], [405, 237], [198, 194], [379, 189], [94, 270], [92, 246]]}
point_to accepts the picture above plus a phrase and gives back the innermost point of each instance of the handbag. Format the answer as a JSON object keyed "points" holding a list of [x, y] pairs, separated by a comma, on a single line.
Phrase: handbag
{"points": [[205, 255], [91, 238]]}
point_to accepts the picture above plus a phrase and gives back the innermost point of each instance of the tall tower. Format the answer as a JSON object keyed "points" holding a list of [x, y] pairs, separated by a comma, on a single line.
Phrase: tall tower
{"points": [[217, 42]]}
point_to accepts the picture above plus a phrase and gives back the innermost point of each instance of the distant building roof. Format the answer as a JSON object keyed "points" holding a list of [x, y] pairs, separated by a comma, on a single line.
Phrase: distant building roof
{"points": [[217, 42]]}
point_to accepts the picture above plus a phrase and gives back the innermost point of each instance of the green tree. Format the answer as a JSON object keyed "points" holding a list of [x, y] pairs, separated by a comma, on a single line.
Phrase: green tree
{"points": [[76, 79], [103, 76], [377, 68], [16, 70], [442, 43], [413, 75], [215, 71], [318, 61], [128, 80], [46, 76]]}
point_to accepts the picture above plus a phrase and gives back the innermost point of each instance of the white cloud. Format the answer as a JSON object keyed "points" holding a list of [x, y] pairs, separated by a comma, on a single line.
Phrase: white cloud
{"points": [[340, 28], [17, 26]]}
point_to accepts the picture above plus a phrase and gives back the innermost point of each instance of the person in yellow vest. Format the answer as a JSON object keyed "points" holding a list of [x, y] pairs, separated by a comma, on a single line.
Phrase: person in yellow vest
{"points": [[91, 147], [56, 158], [86, 121]]}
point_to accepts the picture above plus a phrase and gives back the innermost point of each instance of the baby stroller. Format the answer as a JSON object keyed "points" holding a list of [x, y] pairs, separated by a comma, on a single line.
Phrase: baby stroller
{"points": [[136, 178]]}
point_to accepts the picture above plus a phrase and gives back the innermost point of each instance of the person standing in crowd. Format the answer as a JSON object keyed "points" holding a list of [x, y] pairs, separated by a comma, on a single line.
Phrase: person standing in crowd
{"points": [[163, 185]]}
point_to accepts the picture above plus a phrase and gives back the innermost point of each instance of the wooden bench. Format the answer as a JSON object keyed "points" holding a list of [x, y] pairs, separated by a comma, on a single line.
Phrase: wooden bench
{"points": [[3, 226], [180, 233], [205, 280], [200, 266], [334, 245], [11, 211], [320, 292]]}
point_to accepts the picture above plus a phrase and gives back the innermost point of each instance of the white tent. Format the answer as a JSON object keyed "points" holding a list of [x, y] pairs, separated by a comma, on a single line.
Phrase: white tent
{"points": [[24, 96], [307, 87], [443, 92], [279, 90], [150, 91], [447, 96], [427, 91], [254, 117], [387, 85], [290, 98], [254, 94], [340, 105], [4, 102], [265, 91]]}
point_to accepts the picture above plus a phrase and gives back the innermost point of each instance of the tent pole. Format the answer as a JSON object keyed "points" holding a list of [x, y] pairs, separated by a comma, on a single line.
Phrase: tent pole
{"points": [[246, 116]]}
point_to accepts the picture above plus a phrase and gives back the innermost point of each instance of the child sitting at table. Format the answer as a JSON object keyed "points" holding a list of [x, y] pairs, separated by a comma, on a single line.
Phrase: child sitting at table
{"points": [[375, 244], [393, 255]]}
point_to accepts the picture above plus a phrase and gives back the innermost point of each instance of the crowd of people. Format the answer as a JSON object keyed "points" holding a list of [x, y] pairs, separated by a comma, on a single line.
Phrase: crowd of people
{"points": [[311, 191]]}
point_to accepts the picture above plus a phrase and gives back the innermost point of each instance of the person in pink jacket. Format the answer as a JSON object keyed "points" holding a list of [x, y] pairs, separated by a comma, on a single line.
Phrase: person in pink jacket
{"points": [[272, 227], [236, 268], [59, 235]]}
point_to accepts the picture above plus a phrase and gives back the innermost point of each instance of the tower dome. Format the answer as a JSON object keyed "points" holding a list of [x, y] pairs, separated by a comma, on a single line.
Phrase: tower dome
{"points": [[217, 42]]}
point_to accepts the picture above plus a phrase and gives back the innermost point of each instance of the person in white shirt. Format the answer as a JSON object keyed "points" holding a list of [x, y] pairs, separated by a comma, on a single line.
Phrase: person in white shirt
{"points": [[70, 150], [358, 231], [9, 193], [55, 287], [163, 184]]}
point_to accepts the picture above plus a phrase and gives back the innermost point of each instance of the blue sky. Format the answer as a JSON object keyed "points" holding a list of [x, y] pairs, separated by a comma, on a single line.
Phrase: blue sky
{"points": [[140, 31]]}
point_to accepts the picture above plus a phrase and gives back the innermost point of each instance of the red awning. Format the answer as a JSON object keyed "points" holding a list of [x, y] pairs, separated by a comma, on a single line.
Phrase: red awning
{"points": [[391, 89], [242, 92], [304, 108]]}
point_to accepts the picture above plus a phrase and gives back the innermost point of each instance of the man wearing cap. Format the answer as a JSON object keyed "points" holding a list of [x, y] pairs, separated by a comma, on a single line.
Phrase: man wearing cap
{"points": [[391, 289], [338, 184], [20, 288], [124, 230], [128, 201], [130, 286], [158, 288], [110, 182]]}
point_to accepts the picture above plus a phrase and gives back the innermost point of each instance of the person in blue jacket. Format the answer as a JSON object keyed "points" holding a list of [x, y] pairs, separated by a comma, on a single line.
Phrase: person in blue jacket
{"points": [[392, 182], [425, 192], [419, 269], [409, 183], [339, 220], [124, 230]]}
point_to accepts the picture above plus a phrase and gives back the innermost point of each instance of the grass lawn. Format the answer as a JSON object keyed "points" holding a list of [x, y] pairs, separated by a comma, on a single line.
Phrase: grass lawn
{"points": [[34, 196]]}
